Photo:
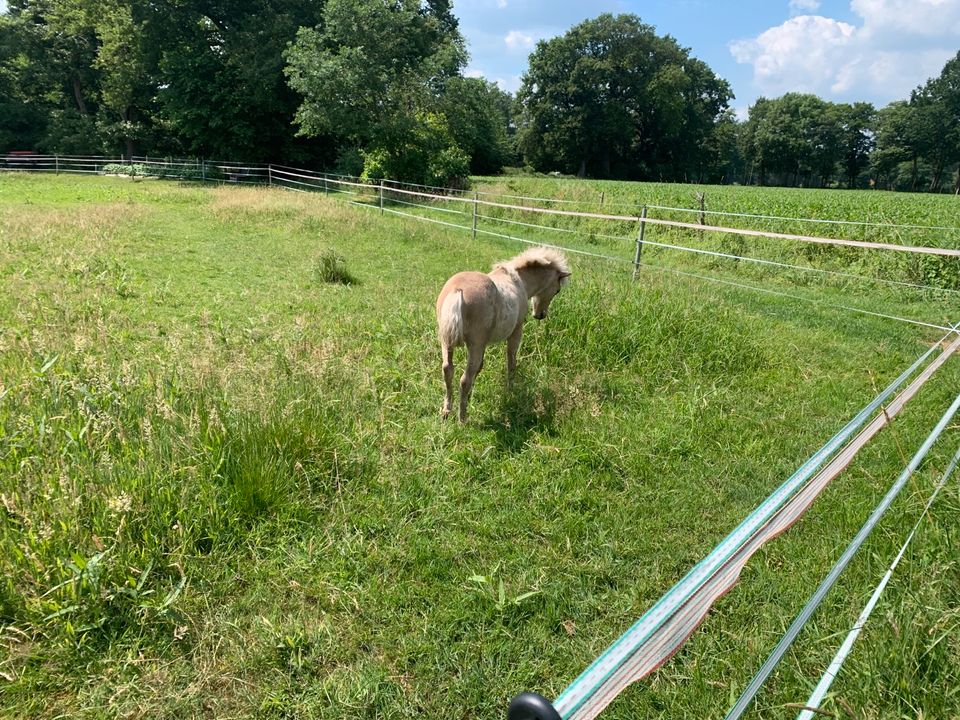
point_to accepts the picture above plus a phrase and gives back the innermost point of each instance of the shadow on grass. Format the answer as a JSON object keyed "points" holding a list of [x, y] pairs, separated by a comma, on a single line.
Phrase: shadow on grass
{"points": [[524, 409]]}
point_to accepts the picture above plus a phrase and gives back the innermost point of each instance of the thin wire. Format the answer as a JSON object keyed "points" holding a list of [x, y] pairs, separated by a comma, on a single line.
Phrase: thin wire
{"points": [[666, 269], [744, 286], [428, 207], [816, 697], [801, 620], [699, 251]]}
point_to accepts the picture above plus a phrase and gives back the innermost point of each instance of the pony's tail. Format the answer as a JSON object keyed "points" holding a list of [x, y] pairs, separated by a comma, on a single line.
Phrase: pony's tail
{"points": [[451, 320]]}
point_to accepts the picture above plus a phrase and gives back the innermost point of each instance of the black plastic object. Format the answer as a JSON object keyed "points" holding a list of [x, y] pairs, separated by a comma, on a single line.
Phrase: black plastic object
{"points": [[530, 706]]}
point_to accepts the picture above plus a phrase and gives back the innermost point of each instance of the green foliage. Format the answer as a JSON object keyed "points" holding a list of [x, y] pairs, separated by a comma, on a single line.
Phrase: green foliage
{"points": [[479, 114], [170, 172], [371, 76], [429, 156], [610, 98]]}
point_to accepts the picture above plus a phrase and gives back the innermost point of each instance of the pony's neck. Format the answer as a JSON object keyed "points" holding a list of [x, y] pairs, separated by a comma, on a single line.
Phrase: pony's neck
{"points": [[534, 279]]}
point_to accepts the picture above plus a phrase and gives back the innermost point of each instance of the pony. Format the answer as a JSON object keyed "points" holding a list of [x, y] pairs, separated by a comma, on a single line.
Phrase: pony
{"points": [[476, 309]]}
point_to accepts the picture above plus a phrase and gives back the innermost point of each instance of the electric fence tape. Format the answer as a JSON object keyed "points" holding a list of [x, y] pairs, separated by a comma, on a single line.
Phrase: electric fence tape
{"points": [[787, 640], [660, 632], [816, 698]]}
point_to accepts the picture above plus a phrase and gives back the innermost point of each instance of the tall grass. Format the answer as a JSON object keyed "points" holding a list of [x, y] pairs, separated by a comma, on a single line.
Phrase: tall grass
{"points": [[225, 488]]}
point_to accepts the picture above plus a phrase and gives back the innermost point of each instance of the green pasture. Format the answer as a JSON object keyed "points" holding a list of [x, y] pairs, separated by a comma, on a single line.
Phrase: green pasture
{"points": [[226, 492]]}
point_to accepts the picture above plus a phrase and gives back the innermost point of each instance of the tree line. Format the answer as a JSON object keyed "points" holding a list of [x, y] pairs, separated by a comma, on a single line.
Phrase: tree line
{"points": [[376, 87]]}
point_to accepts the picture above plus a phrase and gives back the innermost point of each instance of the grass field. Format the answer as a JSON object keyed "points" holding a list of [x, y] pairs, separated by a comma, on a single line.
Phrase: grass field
{"points": [[226, 490]]}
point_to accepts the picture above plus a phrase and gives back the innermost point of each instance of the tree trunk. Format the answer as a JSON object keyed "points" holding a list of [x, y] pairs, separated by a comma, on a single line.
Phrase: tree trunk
{"points": [[605, 164], [582, 172], [913, 175], [78, 94], [937, 179], [128, 141]]}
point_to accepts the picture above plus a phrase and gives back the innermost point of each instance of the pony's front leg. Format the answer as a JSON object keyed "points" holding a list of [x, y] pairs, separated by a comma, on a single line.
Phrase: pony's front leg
{"points": [[447, 381], [474, 366], [513, 345]]}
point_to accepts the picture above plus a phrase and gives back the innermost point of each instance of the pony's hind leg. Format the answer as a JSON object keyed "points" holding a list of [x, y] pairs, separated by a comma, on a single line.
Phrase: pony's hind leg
{"points": [[474, 366], [513, 344], [447, 381]]}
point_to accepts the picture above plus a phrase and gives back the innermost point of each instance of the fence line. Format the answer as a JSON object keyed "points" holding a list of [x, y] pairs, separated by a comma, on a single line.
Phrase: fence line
{"points": [[700, 251], [826, 680], [698, 211], [662, 268], [712, 228], [43, 162], [663, 629], [828, 582]]}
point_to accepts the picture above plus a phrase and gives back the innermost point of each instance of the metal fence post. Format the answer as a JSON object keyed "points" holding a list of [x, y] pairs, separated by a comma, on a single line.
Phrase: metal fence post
{"points": [[476, 196], [381, 196], [56, 159], [326, 189], [269, 174], [636, 257]]}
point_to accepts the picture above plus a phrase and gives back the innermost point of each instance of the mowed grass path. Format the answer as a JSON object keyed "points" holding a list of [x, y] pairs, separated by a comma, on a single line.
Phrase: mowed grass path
{"points": [[226, 490]]}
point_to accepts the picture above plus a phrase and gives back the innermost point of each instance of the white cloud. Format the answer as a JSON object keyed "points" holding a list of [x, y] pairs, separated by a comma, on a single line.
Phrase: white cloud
{"points": [[519, 40], [798, 7], [896, 47], [473, 73], [501, 4], [509, 84]]}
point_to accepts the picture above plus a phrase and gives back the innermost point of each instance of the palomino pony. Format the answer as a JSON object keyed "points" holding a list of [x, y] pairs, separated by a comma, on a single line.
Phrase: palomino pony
{"points": [[475, 310]]}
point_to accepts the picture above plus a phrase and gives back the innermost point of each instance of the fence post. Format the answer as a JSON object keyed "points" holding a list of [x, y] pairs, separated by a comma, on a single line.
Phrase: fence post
{"points": [[701, 218], [56, 159], [381, 196], [269, 174], [476, 196], [601, 198], [326, 188], [636, 257], [203, 170]]}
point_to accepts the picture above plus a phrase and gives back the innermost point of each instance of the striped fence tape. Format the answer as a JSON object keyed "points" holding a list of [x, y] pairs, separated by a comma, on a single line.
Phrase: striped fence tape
{"points": [[816, 697], [828, 582], [663, 629]]}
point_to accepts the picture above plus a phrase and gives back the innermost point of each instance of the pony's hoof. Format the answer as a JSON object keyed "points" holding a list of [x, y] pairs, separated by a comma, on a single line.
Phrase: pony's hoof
{"points": [[444, 413]]}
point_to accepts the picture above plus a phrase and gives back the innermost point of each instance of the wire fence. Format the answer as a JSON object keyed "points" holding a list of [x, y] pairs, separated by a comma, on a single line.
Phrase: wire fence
{"points": [[610, 237]]}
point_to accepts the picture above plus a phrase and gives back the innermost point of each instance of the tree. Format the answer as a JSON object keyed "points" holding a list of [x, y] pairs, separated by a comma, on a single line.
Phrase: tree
{"points": [[224, 92], [857, 139], [794, 139], [939, 103], [373, 72], [47, 54], [611, 98], [478, 115]]}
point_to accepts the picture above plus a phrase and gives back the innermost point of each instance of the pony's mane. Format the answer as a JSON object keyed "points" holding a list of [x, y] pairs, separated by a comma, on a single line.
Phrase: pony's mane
{"points": [[537, 257]]}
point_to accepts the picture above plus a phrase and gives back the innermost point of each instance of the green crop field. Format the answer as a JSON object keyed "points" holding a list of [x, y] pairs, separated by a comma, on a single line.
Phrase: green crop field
{"points": [[226, 491]]}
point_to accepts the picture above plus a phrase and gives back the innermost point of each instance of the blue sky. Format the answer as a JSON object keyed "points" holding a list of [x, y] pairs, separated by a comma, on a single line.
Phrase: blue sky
{"points": [[841, 50]]}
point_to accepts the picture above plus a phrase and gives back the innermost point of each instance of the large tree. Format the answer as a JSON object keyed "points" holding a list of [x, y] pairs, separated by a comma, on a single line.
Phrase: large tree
{"points": [[372, 75], [224, 92], [612, 98], [857, 138], [478, 115]]}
